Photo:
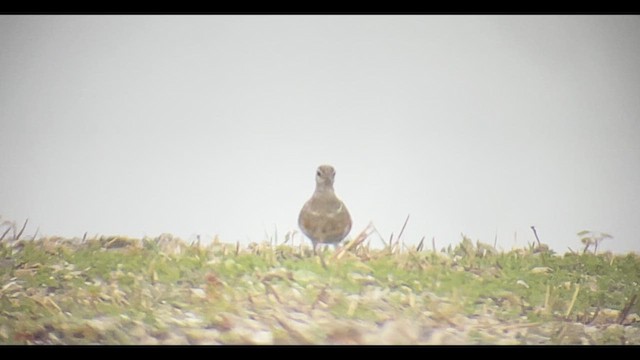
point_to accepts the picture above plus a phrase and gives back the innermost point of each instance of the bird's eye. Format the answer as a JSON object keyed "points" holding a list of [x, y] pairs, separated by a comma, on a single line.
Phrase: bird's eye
{"points": [[318, 173]]}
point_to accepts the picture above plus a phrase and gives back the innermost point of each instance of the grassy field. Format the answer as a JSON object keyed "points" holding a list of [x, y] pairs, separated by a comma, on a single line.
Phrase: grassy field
{"points": [[116, 290]]}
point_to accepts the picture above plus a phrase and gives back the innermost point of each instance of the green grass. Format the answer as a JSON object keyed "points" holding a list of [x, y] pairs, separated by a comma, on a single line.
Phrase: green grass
{"points": [[105, 290]]}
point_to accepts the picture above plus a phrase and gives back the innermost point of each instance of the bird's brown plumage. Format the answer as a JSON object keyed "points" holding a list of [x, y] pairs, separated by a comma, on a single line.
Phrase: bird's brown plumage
{"points": [[324, 218]]}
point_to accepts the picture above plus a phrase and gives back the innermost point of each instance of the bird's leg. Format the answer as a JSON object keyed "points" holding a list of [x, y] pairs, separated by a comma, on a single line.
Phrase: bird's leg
{"points": [[314, 245], [321, 256]]}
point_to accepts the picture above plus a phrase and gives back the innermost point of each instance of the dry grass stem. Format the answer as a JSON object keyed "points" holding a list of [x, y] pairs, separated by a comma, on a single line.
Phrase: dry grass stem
{"points": [[364, 234], [573, 301], [17, 237], [400, 241], [625, 311]]}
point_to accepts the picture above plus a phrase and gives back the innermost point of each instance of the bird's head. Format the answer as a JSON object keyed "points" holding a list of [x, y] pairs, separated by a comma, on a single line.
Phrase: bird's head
{"points": [[325, 176]]}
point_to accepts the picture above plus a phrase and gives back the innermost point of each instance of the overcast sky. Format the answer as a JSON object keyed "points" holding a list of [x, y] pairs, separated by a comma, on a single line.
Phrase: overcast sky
{"points": [[481, 125]]}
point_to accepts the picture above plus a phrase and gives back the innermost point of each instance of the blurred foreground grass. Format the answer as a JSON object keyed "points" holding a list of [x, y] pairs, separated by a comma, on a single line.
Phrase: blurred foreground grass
{"points": [[117, 290]]}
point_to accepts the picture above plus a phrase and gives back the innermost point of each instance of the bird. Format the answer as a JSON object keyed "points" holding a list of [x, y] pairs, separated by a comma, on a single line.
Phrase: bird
{"points": [[324, 218]]}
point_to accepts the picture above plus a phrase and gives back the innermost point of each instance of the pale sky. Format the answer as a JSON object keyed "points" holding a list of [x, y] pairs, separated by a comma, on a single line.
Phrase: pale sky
{"points": [[482, 125]]}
